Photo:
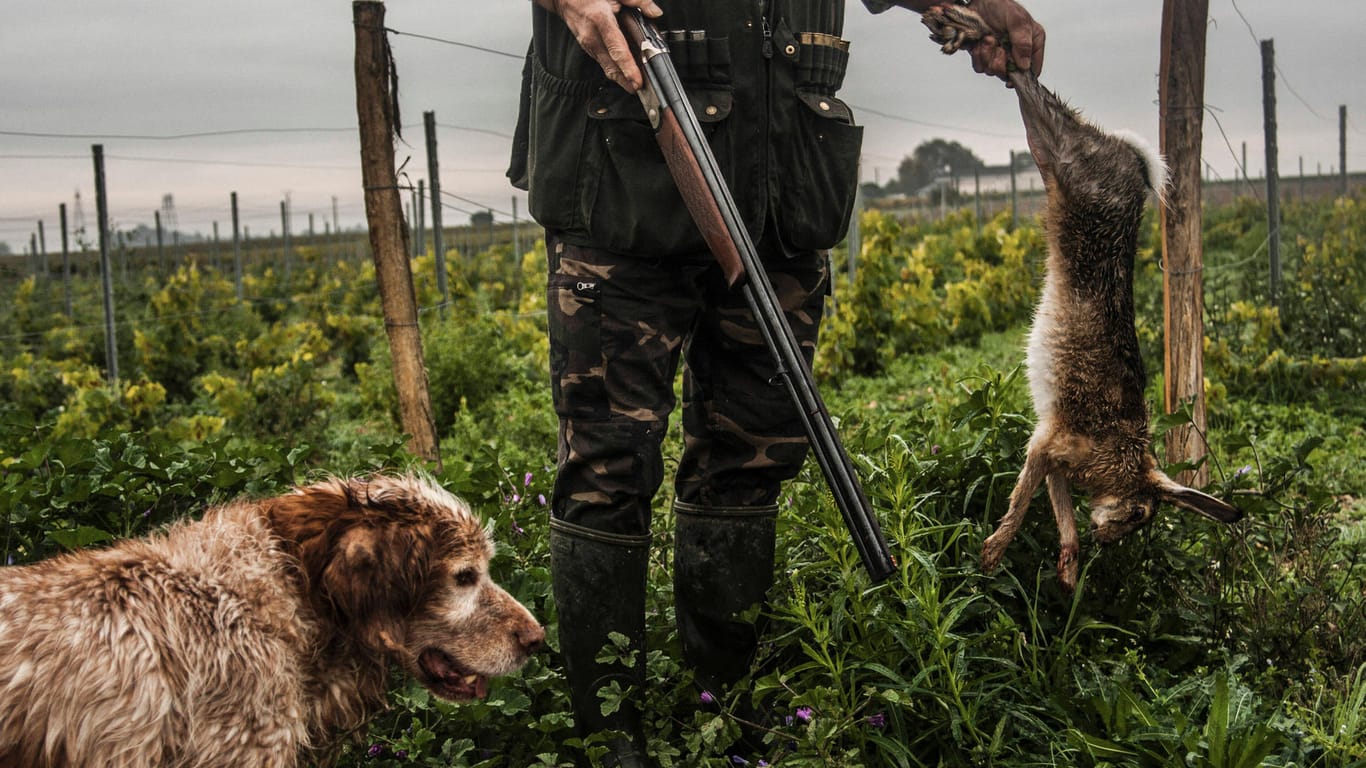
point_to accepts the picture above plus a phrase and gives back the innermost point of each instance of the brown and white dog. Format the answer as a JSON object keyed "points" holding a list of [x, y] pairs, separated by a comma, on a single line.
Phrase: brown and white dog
{"points": [[1086, 375], [256, 636]]}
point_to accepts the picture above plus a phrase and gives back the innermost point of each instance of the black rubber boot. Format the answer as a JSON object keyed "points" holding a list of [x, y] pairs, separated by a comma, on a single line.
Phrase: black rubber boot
{"points": [[723, 566], [599, 584]]}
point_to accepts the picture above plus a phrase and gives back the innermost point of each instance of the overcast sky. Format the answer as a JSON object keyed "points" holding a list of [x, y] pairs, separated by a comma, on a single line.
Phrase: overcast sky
{"points": [[122, 74]]}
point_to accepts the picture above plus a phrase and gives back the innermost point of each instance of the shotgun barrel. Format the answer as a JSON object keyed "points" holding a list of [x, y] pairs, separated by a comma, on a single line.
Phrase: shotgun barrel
{"points": [[709, 201]]}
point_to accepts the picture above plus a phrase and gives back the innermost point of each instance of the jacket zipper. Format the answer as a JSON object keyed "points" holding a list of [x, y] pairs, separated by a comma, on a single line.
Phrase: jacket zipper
{"points": [[767, 29]]}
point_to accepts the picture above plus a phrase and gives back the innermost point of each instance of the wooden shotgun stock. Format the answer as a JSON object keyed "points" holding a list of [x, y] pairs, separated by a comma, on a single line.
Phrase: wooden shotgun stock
{"points": [[707, 198]]}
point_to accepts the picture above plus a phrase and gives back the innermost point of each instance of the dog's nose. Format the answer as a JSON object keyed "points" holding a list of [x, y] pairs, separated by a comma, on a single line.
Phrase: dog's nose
{"points": [[531, 638]]}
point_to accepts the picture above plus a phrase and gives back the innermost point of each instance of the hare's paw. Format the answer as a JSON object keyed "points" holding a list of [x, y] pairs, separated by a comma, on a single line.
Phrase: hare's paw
{"points": [[954, 27]]}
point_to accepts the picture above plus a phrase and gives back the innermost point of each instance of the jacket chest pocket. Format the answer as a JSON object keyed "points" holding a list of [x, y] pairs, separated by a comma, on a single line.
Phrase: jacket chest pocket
{"points": [[632, 204]]}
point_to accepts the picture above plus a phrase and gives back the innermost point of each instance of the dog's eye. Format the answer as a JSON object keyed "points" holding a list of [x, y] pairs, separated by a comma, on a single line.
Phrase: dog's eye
{"points": [[467, 577]]}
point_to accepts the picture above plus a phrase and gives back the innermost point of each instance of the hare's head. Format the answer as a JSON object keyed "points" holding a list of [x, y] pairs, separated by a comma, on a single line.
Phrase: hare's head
{"points": [[1116, 515]]}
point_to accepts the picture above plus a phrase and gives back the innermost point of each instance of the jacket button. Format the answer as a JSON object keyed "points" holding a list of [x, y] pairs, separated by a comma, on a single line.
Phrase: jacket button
{"points": [[602, 110], [711, 109], [790, 49], [825, 106]]}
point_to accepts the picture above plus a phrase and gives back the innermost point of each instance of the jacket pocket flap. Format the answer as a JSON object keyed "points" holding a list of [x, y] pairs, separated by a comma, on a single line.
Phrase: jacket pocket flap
{"points": [[827, 106], [711, 105]]}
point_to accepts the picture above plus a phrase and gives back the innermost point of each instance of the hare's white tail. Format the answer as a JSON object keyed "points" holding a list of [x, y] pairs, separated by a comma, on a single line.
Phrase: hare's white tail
{"points": [[1155, 162]]}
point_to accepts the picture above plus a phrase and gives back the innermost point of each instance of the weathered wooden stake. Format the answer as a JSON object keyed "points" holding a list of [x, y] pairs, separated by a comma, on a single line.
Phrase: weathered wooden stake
{"points": [[1342, 148], [111, 352], [376, 106], [66, 262], [161, 253], [236, 249], [285, 247], [1182, 86], [977, 195], [421, 217], [42, 253], [438, 239], [1014, 193], [1273, 174]]}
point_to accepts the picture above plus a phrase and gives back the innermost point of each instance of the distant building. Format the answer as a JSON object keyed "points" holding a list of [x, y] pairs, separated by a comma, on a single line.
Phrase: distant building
{"points": [[994, 180]]}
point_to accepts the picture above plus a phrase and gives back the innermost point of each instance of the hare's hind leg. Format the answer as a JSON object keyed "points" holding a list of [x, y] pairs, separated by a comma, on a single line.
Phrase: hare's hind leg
{"points": [[954, 27], [1035, 468], [1060, 494]]}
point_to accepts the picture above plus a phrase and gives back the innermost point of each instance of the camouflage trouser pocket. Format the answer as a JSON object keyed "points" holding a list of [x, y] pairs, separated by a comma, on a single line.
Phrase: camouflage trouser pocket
{"points": [[574, 310]]}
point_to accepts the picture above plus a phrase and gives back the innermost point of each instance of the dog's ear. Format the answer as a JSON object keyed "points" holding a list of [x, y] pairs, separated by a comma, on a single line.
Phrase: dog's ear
{"points": [[353, 582], [366, 558], [375, 576]]}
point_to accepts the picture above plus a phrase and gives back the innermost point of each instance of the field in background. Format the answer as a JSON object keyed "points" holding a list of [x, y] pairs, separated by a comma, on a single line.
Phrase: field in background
{"points": [[1188, 644]]}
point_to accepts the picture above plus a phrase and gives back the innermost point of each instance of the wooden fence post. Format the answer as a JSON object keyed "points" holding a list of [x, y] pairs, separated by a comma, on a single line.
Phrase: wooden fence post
{"points": [[421, 218], [285, 246], [236, 249], [1182, 86], [161, 253], [376, 108], [43, 269], [1342, 148], [66, 262], [438, 236], [111, 349], [1014, 194], [1273, 174]]}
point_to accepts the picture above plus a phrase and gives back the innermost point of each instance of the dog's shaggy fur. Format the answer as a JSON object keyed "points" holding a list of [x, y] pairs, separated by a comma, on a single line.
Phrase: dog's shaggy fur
{"points": [[257, 636]]}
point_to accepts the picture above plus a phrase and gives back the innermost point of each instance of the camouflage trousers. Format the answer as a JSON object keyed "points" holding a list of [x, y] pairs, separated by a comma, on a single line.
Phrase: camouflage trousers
{"points": [[619, 326]]}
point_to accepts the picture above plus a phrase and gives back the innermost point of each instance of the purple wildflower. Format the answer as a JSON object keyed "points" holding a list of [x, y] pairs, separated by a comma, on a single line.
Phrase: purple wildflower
{"points": [[1243, 470], [526, 482], [540, 499], [878, 720], [375, 750], [737, 760], [402, 754], [934, 450], [804, 714], [707, 698], [516, 497]]}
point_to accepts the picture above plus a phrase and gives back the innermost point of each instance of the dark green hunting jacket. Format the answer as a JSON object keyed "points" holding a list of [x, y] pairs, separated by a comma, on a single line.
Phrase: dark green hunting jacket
{"points": [[762, 77]]}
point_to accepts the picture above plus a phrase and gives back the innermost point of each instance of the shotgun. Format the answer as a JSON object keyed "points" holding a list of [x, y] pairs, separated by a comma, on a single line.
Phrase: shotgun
{"points": [[709, 201]]}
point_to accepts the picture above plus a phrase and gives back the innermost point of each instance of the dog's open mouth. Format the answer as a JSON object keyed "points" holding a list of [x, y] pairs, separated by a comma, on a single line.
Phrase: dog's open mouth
{"points": [[448, 679]]}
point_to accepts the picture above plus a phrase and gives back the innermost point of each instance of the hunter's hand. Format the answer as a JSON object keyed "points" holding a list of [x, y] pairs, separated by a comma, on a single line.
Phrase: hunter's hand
{"points": [[594, 24], [1012, 23]]}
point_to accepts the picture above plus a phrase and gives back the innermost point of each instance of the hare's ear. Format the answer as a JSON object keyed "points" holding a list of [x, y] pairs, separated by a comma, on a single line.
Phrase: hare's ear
{"points": [[1179, 495]]}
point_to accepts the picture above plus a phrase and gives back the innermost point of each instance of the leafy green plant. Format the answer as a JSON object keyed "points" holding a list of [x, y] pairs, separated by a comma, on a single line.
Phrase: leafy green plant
{"points": [[1188, 643], [917, 289]]}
